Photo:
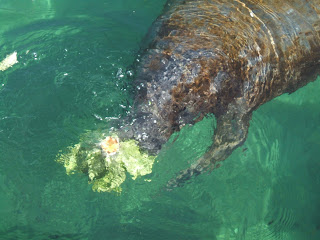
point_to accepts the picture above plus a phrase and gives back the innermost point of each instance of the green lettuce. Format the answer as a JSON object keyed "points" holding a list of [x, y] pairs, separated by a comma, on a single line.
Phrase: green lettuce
{"points": [[106, 172]]}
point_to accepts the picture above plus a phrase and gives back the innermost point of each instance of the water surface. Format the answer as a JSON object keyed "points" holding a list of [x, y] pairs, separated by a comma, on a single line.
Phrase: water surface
{"points": [[75, 59]]}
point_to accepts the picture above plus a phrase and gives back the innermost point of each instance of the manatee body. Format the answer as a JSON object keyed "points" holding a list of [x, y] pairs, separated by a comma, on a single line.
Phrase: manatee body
{"points": [[225, 57]]}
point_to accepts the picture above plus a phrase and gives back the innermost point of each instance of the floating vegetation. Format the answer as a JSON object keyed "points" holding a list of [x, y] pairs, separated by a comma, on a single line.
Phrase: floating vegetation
{"points": [[106, 162], [9, 61]]}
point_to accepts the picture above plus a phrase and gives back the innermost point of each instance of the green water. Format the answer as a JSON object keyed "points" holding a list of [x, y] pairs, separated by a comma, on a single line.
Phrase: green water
{"points": [[72, 78]]}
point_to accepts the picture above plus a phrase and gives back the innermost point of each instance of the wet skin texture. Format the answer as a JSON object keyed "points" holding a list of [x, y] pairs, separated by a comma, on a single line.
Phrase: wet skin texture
{"points": [[225, 57]]}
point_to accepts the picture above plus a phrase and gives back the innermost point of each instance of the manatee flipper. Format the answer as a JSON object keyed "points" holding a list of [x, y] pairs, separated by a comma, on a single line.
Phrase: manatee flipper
{"points": [[230, 133]]}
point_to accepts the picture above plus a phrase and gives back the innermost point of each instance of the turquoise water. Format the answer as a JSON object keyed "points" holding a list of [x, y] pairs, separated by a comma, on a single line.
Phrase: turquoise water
{"points": [[72, 77]]}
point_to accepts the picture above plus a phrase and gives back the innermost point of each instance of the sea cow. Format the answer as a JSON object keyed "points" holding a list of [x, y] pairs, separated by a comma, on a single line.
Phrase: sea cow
{"points": [[225, 57]]}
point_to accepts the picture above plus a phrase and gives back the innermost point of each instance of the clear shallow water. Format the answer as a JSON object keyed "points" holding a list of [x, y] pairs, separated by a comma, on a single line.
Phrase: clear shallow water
{"points": [[71, 77]]}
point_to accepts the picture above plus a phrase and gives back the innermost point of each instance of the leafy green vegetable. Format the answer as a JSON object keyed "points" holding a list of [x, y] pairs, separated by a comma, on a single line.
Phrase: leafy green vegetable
{"points": [[106, 172]]}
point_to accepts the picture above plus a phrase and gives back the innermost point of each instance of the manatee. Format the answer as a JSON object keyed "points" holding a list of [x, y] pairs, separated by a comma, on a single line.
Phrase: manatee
{"points": [[221, 57], [225, 57]]}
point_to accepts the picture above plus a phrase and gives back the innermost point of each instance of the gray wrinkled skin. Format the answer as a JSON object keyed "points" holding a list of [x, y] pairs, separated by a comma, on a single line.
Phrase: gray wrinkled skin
{"points": [[225, 57]]}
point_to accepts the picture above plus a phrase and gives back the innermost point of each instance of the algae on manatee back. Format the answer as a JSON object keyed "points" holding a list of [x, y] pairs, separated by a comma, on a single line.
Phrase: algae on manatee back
{"points": [[106, 172]]}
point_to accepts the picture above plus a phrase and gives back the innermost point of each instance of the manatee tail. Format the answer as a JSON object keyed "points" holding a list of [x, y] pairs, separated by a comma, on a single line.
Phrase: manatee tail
{"points": [[231, 132]]}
